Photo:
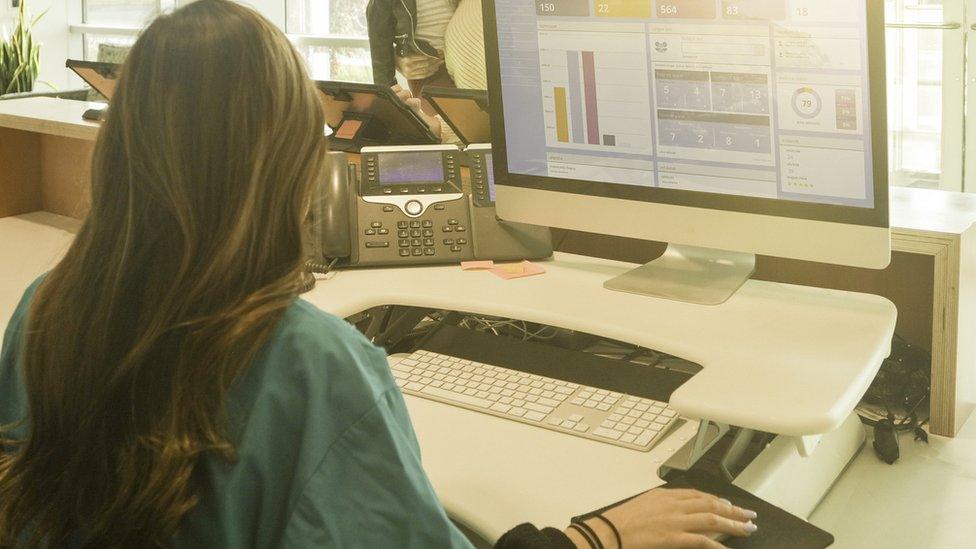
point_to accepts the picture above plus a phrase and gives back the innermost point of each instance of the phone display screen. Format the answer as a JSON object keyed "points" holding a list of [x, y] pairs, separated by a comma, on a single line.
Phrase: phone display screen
{"points": [[416, 168]]}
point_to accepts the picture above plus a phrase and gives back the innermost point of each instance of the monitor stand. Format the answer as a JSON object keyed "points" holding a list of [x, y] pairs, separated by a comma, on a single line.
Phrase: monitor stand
{"points": [[689, 274]]}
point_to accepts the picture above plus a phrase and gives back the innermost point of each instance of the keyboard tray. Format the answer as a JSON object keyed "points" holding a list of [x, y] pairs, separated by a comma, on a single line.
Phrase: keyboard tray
{"points": [[555, 362]]}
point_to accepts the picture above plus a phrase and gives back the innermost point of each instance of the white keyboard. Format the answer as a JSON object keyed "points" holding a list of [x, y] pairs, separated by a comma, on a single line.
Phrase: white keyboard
{"points": [[587, 412]]}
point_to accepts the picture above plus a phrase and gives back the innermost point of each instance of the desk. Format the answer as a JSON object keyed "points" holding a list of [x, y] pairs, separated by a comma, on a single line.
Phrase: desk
{"points": [[43, 165], [492, 473]]}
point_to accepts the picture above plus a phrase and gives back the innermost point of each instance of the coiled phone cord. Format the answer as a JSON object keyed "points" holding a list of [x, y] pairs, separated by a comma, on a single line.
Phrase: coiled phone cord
{"points": [[312, 268]]}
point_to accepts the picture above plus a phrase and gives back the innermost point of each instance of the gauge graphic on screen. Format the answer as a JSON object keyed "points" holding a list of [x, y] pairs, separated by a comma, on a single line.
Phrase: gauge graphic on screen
{"points": [[807, 103]]}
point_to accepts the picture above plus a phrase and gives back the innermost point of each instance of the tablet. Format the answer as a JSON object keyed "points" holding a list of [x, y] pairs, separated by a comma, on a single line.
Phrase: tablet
{"points": [[102, 77], [466, 111], [363, 115]]}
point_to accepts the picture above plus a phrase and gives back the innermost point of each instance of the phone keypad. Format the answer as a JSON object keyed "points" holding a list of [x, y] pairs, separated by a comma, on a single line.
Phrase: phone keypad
{"points": [[393, 238]]}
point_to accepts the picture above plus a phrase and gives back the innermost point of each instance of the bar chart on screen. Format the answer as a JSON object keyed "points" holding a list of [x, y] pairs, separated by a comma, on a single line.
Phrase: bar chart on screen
{"points": [[595, 86]]}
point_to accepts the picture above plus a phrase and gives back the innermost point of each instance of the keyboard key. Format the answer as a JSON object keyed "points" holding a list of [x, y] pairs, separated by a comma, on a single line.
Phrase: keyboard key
{"points": [[589, 404], [615, 417], [501, 408], [413, 386], [627, 438], [644, 439], [519, 412], [576, 418], [642, 423], [554, 420], [578, 401], [669, 413], [533, 415], [466, 399], [635, 430], [538, 408], [603, 407], [607, 433], [568, 424], [642, 407], [548, 402], [608, 424], [582, 428], [662, 420]]}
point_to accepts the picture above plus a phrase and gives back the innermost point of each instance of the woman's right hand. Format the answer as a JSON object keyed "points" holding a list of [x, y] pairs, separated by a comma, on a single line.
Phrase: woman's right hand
{"points": [[672, 519], [418, 66]]}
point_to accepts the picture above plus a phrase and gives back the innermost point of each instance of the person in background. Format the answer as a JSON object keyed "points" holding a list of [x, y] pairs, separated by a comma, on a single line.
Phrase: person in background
{"points": [[407, 36], [464, 47], [464, 53]]}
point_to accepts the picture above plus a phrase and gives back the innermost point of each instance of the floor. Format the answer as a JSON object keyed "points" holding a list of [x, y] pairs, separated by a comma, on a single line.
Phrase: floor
{"points": [[927, 499]]}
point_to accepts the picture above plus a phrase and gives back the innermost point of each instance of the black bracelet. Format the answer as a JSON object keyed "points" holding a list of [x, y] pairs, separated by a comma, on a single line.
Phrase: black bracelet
{"points": [[616, 533], [589, 530], [585, 535]]}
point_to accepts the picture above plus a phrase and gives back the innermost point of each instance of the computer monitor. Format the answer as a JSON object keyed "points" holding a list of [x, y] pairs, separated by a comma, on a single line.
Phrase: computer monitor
{"points": [[726, 128]]}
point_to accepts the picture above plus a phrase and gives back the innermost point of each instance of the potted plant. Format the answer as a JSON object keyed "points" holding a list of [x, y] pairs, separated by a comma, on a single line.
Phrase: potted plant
{"points": [[19, 55]]}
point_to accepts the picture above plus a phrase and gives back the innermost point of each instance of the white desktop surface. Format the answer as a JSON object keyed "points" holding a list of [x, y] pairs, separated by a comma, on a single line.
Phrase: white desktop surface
{"points": [[50, 116], [800, 357], [777, 351]]}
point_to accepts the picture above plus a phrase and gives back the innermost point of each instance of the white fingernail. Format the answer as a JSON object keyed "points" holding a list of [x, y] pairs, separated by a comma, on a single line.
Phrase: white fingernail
{"points": [[750, 527]]}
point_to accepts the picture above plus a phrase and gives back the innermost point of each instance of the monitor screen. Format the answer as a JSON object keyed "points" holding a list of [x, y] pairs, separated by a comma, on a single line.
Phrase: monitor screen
{"points": [[766, 99]]}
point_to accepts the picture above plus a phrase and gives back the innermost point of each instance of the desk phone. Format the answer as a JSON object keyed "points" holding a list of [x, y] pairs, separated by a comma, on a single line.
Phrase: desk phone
{"points": [[408, 205]]}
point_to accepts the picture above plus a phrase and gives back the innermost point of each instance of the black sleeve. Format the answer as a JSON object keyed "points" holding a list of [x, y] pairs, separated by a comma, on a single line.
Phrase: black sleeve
{"points": [[526, 536], [381, 25]]}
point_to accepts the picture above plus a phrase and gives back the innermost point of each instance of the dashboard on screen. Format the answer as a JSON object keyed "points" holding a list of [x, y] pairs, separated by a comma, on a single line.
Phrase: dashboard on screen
{"points": [[752, 98]]}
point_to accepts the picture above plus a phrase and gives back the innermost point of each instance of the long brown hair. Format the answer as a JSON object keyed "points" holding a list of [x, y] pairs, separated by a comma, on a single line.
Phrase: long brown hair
{"points": [[191, 253]]}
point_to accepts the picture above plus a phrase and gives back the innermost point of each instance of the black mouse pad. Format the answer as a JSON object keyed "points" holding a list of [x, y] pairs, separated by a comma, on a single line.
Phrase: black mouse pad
{"points": [[778, 529]]}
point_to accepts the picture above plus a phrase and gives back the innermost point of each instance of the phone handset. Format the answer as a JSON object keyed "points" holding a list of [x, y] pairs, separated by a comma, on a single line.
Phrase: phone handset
{"points": [[331, 204]]}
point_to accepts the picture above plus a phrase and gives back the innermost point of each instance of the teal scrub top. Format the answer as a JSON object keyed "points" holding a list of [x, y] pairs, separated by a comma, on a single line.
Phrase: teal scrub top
{"points": [[326, 453]]}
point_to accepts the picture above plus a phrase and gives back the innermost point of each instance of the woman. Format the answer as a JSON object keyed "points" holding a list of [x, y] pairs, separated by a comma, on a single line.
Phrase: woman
{"points": [[163, 385], [407, 36]]}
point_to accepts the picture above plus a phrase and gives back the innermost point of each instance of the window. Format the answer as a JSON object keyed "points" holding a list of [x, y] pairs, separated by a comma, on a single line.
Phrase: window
{"points": [[116, 23], [125, 13], [331, 34], [926, 65]]}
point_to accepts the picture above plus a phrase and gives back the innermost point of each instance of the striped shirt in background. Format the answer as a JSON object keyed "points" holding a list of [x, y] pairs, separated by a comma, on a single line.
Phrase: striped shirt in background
{"points": [[465, 47], [432, 19]]}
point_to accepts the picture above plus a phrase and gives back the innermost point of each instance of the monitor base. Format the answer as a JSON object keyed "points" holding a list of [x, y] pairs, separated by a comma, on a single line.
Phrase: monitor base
{"points": [[689, 274]]}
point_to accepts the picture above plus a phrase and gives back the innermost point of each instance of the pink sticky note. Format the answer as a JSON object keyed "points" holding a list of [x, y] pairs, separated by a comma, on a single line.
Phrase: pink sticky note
{"points": [[477, 265], [517, 270]]}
